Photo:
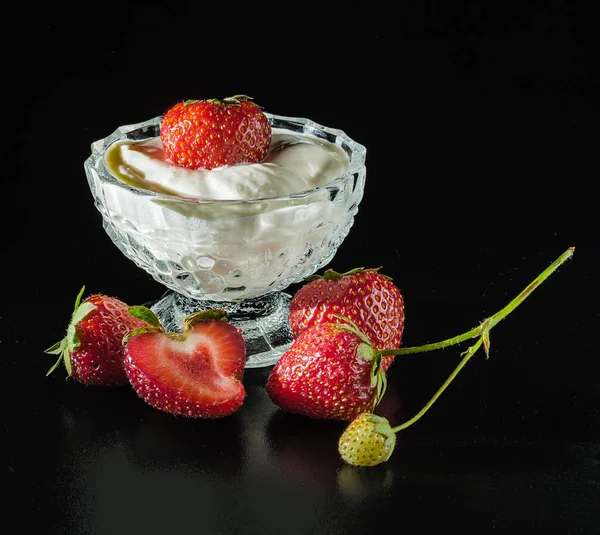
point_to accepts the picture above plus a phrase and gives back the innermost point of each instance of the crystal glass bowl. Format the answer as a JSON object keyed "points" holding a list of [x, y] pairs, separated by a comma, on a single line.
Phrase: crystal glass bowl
{"points": [[237, 255]]}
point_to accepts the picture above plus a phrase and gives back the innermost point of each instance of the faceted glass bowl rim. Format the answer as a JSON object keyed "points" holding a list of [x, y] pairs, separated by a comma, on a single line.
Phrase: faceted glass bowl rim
{"points": [[356, 159]]}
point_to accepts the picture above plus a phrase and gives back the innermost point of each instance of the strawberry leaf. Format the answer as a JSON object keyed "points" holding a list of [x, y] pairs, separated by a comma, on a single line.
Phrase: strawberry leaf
{"points": [[350, 326], [375, 419], [64, 356], [70, 342], [71, 339], [389, 442], [378, 378], [141, 330], [145, 314], [486, 343], [56, 349], [381, 386], [81, 312], [67, 361], [203, 315], [78, 299], [235, 99], [366, 352], [56, 365], [332, 275]]}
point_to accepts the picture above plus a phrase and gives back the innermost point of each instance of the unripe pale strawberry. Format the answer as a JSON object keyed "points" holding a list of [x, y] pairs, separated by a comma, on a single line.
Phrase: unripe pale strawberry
{"points": [[367, 441]]}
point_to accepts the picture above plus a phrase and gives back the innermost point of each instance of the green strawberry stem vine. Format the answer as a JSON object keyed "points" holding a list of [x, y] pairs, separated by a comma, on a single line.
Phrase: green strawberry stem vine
{"points": [[482, 332]]}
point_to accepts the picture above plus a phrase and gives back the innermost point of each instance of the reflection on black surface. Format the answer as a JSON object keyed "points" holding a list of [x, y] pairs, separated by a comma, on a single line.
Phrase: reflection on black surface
{"points": [[481, 457], [97, 415], [358, 483], [304, 450]]}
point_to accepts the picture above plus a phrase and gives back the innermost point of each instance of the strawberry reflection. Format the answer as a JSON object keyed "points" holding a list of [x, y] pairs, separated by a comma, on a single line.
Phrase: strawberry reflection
{"points": [[305, 450], [148, 439], [358, 483]]}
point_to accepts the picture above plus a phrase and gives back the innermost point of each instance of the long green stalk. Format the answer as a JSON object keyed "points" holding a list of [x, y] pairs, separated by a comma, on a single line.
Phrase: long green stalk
{"points": [[482, 331], [490, 322]]}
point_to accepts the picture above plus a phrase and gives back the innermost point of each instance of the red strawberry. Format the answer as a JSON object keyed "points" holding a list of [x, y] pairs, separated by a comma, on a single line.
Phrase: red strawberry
{"points": [[331, 371], [368, 298], [92, 349], [195, 373], [213, 133]]}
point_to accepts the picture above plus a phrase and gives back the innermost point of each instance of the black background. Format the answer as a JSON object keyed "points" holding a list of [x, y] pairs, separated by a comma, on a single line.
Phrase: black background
{"points": [[481, 126]]}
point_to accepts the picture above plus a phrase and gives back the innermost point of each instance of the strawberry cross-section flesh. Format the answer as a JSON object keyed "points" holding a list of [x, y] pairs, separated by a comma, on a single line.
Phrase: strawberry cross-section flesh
{"points": [[197, 373]]}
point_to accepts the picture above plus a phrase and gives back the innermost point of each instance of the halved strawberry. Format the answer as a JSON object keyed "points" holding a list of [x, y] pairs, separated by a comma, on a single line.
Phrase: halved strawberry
{"points": [[195, 373]]}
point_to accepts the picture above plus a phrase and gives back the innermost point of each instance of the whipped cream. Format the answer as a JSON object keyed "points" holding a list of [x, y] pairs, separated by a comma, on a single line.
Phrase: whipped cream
{"points": [[234, 232], [295, 163]]}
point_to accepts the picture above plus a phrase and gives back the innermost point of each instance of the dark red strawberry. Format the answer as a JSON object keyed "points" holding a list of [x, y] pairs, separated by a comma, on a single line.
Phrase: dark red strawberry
{"points": [[365, 296], [213, 133], [195, 373], [331, 371], [92, 349]]}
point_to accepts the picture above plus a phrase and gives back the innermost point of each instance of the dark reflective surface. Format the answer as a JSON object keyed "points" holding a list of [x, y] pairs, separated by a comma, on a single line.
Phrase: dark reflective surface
{"points": [[481, 158]]}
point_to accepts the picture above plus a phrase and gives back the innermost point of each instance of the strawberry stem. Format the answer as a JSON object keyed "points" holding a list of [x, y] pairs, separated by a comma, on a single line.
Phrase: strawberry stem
{"points": [[483, 329], [467, 355]]}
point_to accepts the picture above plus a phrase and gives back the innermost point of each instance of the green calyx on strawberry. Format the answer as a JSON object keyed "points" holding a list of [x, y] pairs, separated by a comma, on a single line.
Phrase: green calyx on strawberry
{"points": [[92, 350], [331, 371], [211, 133], [195, 373], [365, 296], [332, 275]]}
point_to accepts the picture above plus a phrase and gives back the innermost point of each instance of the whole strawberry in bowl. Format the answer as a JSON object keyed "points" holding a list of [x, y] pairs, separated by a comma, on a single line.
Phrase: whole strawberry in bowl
{"points": [[212, 133], [227, 205]]}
